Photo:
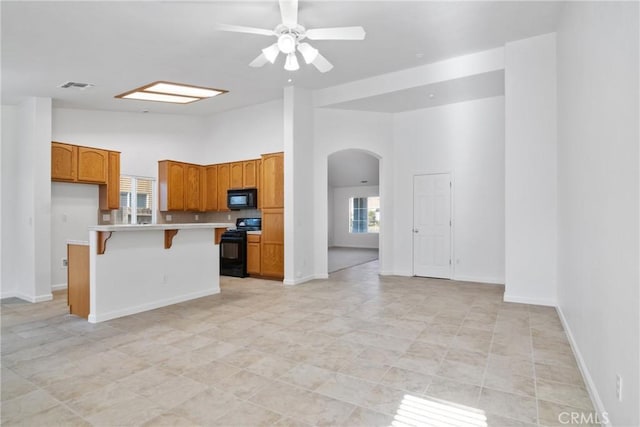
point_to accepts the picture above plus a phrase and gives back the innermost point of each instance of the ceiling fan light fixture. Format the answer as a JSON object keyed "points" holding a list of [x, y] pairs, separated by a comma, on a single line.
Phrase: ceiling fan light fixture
{"points": [[309, 53], [291, 64], [271, 52], [287, 43]]}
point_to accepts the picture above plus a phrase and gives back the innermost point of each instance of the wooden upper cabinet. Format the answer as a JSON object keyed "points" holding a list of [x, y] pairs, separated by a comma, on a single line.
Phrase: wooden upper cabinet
{"points": [[75, 163], [210, 193], [224, 180], [192, 187], [92, 165], [171, 179], [250, 174], [236, 180], [64, 162], [259, 181], [110, 193], [272, 183]]}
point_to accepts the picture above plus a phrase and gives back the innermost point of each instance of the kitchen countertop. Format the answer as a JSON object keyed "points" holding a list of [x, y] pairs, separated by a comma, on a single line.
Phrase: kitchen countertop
{"points": [[143, 227], [78, 242]]}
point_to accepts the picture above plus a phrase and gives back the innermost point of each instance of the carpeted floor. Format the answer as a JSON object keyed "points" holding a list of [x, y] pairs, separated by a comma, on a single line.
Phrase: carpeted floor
{"points": [[341, 258]]}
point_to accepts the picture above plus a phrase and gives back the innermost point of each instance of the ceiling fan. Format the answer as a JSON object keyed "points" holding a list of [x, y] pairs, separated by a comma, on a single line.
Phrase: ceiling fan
{"points": [[290, 36]]}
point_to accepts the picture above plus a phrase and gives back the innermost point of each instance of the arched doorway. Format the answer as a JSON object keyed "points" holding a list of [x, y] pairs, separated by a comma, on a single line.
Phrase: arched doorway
{"points": [[353, 204]]}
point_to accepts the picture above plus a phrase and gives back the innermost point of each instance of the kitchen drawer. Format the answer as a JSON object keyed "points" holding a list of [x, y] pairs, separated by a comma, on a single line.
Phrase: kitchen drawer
{"points": [[253, 238]]}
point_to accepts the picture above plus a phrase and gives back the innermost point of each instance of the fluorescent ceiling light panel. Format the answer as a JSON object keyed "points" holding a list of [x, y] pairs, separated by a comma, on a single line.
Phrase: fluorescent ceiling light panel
{"points": [[160, 97], [171, 92], [181, 90]]}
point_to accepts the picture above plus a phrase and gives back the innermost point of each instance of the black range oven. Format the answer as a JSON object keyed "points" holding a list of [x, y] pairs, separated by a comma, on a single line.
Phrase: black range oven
{"points": [[233, 247]]}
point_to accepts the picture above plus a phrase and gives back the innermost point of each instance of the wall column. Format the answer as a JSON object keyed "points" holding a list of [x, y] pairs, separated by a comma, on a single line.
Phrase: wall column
{"points": [[530, 171], [299, 207], [26, 204]]}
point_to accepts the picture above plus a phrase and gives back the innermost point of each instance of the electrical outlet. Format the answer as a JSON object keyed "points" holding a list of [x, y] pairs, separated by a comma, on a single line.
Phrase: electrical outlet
{"points": [[65, 263], [197, 217], [106, 217], [619, 387], [228, 217], [168, 218]]}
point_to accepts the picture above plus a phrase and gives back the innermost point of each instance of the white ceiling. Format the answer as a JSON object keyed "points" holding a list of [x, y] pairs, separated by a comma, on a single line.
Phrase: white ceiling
{"points": [[349, 168], [122, 45]]}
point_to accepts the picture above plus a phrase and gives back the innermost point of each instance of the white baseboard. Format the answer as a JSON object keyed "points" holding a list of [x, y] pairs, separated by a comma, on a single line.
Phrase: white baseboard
{"points": [[299, 280], [353, 247], [395, 273], [591, 387], [59, 287], [7, 294], [386, 273], [487, 280], [549, 302], [93, 318], [30, 298]]}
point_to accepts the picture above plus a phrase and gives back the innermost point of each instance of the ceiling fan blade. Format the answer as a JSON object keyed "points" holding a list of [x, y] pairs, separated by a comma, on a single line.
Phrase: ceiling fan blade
{"points": [[322, 64], [259, 61], [336, 33], [241, 29], [289, 12]]}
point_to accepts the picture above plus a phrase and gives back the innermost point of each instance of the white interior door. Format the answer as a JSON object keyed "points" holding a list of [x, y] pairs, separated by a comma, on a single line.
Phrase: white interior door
{"points": [[432, 225]]}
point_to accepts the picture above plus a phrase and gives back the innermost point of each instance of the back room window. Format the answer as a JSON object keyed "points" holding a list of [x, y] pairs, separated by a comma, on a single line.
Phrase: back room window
{"points": [[364, 214]]}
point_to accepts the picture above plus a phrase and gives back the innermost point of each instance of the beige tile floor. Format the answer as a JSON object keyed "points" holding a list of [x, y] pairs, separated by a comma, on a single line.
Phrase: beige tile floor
{"points": [[357, 349]]}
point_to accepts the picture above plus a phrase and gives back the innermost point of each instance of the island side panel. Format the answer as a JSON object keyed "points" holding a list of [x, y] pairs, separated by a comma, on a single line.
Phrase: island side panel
{"points": [[137, 274]]}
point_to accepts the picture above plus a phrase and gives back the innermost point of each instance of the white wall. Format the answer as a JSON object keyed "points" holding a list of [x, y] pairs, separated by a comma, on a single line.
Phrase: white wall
{"points": [[530, 174], [448, 69], [330, 209], [143, 139], [26, 171], [74, 207], [8, 172], [467, 140], [337, 130], [598, 192], [244, 133], [340, 221], [299, 208]]}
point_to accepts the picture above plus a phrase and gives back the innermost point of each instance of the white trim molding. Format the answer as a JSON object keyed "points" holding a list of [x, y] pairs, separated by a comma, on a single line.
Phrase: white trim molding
{"points": [[300, 280], [528, 300], [151, 306], [588, 380], [59, 287]]}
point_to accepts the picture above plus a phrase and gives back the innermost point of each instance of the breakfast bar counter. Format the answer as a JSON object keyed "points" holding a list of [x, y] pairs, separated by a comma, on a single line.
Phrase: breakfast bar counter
{"points": [[135, 268]]}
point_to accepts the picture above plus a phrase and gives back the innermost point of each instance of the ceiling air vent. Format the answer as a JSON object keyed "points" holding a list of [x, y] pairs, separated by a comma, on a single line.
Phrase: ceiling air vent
{"points": [[76, 85]]}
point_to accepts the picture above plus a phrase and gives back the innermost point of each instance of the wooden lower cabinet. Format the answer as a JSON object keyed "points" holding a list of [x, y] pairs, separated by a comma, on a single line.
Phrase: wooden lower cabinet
{"points": [[78, 280], [272, 243], [253, 254]]}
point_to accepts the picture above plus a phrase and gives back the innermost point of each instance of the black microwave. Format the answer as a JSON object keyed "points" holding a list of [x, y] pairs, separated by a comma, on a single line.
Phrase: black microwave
{"points": [[242, 199]]}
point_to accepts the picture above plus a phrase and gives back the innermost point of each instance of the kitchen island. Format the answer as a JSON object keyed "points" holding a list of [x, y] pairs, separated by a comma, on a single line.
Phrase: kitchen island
{"points": [[135, 268]]}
